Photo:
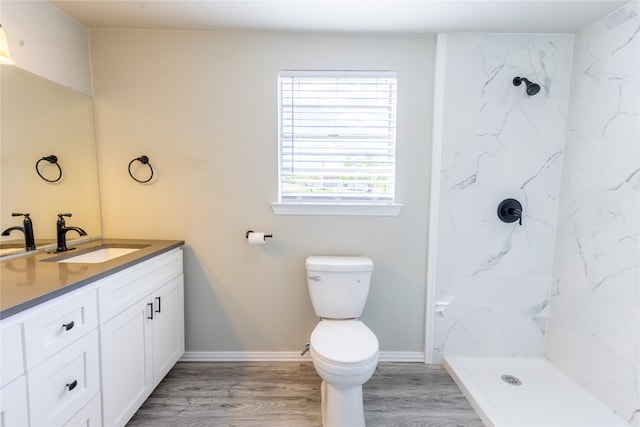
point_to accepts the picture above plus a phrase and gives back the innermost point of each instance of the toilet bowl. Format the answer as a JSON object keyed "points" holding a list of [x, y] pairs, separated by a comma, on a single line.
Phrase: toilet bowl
{"points": [[345, 355], [344, 351]]}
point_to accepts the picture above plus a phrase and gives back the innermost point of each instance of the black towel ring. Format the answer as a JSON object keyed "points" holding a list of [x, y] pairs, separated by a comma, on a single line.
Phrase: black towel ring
{"points": [[145, 161], [53, 160]]}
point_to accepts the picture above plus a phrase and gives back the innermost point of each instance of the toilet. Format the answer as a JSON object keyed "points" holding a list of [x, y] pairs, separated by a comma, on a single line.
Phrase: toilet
{"points": [[344, 351]]}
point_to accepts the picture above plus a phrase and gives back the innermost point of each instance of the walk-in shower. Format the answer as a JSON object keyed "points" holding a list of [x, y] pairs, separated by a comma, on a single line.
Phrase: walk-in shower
{"points": [[541, 318]]}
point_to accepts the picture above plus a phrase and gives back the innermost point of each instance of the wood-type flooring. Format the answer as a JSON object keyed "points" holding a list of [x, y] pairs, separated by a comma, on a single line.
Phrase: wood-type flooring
{"points": [[283, 394]]}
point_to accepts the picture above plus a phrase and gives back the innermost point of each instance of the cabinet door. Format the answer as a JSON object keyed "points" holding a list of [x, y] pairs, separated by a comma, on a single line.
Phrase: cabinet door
{"points": [[127, 380], [11, 355], [13, 404], [168, 327]]}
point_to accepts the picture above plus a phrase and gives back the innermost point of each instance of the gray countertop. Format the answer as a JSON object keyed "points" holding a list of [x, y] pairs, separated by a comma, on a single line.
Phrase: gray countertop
{"points": [[29, 280]]}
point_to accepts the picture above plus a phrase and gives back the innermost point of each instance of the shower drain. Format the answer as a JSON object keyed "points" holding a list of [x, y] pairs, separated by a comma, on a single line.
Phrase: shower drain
{"points": [[510, 379]]}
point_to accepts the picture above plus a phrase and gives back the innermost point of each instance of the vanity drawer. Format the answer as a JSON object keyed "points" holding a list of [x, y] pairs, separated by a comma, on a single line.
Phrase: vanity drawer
{"points": [[123, 289], [63, 384], [11, 355], [89, 416], [58, 323]]}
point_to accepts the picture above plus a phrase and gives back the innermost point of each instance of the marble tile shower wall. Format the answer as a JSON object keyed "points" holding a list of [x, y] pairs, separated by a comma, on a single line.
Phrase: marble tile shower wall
{"points": [[594, 321], [493, 279]]}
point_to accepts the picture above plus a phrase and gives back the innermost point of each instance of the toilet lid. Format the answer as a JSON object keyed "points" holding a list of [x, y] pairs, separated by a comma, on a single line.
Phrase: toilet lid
{"points": [[344, 341]]}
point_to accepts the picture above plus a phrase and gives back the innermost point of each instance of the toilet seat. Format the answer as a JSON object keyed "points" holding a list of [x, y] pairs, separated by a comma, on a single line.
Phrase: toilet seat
{"points": [[344, 342]]}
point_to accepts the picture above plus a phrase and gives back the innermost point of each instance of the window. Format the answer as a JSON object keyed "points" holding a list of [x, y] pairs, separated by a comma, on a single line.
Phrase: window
{"points": [[337, 137]]}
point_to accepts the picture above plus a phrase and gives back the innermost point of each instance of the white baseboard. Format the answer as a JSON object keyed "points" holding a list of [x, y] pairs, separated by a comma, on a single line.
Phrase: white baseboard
{"points": [[285, 356], [402, 356]]}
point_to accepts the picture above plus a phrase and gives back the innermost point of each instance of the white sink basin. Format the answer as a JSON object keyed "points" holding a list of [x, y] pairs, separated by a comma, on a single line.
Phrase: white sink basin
{"points": [[99, 255], [96, 254]]}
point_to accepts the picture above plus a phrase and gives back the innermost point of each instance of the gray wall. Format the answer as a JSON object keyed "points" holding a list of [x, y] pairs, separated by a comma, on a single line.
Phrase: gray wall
{"points": [[47, 42], [203, 107]]}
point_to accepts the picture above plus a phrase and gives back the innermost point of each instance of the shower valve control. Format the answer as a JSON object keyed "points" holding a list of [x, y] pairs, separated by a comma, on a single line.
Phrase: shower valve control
{"points": [[510, 210]]}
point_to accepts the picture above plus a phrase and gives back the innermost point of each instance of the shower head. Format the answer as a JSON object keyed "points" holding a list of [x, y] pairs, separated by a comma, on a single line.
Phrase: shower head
{"points": [[532, 88]]}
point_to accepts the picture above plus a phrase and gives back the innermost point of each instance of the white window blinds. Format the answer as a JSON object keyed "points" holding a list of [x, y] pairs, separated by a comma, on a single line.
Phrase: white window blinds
{"points": [[337, 133]]}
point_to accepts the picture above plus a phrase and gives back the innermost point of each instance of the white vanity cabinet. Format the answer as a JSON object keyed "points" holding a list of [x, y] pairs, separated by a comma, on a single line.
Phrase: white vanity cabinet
{"points": [[141, 333], [91, 357]]}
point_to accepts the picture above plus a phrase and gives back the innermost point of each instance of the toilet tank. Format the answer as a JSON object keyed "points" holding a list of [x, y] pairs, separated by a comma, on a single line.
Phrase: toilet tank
{"points": [[338, 285]]}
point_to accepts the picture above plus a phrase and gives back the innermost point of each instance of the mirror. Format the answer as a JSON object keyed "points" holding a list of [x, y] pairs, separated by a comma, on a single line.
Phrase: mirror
{"points": [[39, 118]]}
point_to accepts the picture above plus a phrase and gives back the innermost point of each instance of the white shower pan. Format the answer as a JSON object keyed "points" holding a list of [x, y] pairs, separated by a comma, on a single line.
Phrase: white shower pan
{"points": [[526, 392]]}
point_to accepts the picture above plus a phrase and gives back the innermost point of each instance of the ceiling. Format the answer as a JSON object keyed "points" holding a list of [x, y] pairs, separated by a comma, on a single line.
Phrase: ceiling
{"points": [[350, 16]]}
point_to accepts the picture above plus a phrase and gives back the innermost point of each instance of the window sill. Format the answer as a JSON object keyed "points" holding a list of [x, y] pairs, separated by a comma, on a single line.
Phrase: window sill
{"points": [[355, 209]]}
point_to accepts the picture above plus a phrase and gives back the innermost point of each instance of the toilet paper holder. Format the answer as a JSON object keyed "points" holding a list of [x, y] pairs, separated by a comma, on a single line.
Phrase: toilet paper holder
{"points": [[246, 235]]}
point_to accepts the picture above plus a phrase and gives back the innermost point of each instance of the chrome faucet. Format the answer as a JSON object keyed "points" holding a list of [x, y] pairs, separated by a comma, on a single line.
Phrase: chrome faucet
{"points": [[61, 232], [27, 229]]}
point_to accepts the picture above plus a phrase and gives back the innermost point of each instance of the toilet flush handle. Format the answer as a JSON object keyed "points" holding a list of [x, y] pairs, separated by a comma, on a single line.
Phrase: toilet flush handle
{"points": [[314, 278]]}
